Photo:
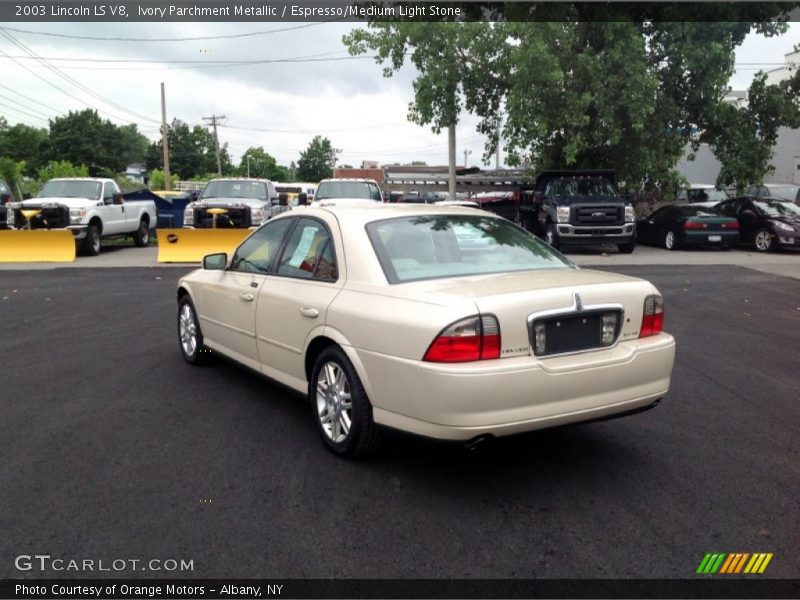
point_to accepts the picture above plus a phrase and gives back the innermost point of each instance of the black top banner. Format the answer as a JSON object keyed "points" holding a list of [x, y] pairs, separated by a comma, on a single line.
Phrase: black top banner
{"points": [[444, 10], [245, 589]]}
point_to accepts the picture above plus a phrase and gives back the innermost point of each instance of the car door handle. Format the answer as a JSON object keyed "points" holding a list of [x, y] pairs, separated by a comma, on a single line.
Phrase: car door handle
{"points": [[246, 296], [310, 312]]}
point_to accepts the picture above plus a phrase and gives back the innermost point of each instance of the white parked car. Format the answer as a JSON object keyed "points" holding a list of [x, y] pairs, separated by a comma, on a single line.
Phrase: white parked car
{"points": [[348, 190], [91, 208], [447, 322]]}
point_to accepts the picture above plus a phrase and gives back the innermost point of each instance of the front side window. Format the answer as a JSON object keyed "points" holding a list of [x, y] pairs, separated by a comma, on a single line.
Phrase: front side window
{"points": [[258, 251], [309, 252], [439, 246]]}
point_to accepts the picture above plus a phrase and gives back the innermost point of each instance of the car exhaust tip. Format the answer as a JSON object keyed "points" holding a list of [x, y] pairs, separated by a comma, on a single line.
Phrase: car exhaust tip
{"points": [[475, 442]]}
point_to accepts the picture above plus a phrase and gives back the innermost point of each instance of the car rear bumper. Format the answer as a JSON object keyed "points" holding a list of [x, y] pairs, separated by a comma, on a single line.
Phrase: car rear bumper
{"points": [[513, 395], [709, 237]]}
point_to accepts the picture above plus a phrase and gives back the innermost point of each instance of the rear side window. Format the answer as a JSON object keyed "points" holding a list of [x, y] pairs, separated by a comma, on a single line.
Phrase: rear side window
{"points": [[440, 246]]}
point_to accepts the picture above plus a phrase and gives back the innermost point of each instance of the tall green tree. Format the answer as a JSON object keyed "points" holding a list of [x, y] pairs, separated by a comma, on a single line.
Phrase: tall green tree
{"points": [[316, 162], [262, 164], [22, 142], [83, 137], [191, 152], [577, 90]]}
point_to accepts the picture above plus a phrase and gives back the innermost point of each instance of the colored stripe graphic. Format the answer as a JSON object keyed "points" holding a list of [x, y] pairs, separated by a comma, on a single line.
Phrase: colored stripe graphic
{"points": [[734, 563]]}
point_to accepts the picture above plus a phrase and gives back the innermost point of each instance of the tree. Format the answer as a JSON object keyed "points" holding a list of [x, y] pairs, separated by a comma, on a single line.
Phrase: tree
{"points": [[262, 165], [61, 168], [22, 142], [191, 152], [580, 89], [316, 163], [84, 138]]}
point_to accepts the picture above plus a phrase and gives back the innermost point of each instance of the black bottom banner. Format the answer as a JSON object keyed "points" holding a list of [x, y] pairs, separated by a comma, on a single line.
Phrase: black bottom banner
{"points": [[245, 589]]}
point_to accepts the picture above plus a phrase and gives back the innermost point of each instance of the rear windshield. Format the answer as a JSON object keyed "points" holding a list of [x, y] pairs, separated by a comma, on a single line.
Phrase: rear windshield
{"points": [[235, 189], [348, 189], [71, 189], [699, 211], [439, 246], [707, 195]]}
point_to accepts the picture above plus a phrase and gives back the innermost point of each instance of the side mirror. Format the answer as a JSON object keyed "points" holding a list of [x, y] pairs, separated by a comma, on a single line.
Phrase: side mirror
{"points": [[274, 201], [26, 196], [118, 199], [5, 198], [302, 199], [538, 196], [283, 199], [215, 262]]}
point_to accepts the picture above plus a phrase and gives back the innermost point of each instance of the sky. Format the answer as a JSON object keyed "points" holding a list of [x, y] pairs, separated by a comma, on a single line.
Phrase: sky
{"points": [[280, 106]]}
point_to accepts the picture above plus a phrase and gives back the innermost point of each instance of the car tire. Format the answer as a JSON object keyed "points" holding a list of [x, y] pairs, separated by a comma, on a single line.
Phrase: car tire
{"points": [[627, 248], [91, 243], [340, 407], [551, 237], [141, 237], [190, 337], [763, 241], [671, 240]]}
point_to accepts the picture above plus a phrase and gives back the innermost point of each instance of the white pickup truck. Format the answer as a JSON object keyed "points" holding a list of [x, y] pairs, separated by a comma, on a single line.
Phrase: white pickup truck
{"points": [[92, 208]]}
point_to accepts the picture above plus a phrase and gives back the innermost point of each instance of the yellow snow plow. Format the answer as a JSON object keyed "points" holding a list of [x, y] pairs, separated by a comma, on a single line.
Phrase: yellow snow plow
{"points": [[191, 245], [36, 245]]}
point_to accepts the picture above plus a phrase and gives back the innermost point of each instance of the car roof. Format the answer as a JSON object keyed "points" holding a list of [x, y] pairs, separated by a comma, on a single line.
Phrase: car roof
{"points": [[95, 179], [368, 211], [357, 179], [260, 179]]}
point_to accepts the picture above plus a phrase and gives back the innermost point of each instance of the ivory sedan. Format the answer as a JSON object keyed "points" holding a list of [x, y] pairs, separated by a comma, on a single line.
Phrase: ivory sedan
{"points": [[447, 322]]}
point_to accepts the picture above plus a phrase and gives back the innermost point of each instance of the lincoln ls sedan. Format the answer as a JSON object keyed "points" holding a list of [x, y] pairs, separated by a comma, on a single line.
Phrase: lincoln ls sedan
{"points": [[447, 322]]}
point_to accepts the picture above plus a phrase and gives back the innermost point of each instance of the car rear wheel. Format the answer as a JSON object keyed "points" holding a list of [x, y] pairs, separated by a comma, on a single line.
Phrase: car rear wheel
{"points": [[141, 236], [190, 337], [670, 240], [763, 240], [340, 406]]}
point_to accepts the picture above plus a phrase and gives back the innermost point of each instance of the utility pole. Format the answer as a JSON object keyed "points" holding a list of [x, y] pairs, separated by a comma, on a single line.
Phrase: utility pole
{"points": [[165, 140], [248, 166], [334, 153], [451, 151], [466, 154], [497, 156], [214, 120]]}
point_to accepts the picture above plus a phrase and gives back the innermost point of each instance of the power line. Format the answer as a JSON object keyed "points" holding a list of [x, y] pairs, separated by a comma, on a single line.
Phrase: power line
{"points": [[71, 80], [182, 39], [28, 98], [320, 57], [25, 107], [17, 110]]}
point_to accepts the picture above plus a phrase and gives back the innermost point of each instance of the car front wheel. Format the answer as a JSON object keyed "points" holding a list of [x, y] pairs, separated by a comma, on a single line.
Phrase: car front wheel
{"points": [[764, 241], [340, 406], [190, 337]]}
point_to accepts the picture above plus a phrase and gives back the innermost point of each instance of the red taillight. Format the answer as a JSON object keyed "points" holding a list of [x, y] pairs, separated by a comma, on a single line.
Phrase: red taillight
{"points": [[695, 225], [653, 316], [731, 225], [474, 338]]}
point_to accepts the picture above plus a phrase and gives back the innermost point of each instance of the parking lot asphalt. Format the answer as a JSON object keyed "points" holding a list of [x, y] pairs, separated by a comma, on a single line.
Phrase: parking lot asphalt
{"points": [[785, 263], [113, 447]]}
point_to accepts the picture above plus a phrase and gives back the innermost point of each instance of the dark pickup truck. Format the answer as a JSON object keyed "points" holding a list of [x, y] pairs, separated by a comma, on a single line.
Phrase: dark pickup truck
{"points": [[579, 207]]}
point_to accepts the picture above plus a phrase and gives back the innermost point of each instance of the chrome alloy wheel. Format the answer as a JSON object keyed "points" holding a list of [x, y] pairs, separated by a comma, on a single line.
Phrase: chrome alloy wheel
{"points": [[188, 330], [334, 403], [763, 240], [669, 240]]}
